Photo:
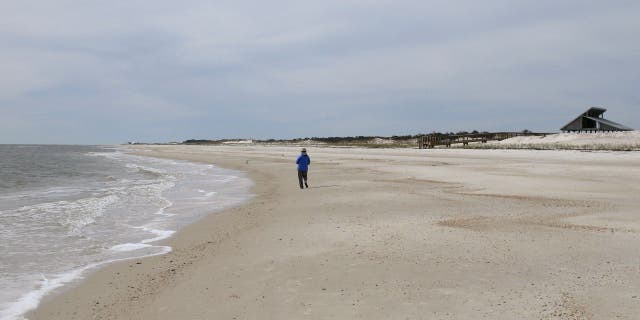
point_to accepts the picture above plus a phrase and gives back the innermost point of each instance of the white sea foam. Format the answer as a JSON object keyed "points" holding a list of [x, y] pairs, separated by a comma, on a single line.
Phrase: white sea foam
{"points": [[31, 300], [160, 234], [74, 215], [126, 247], [207, 195], [97, 222]]}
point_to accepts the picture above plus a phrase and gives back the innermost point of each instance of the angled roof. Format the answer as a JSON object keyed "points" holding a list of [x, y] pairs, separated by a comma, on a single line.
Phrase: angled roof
{"points": [[595, 109], [611, 123], [594, 114]]}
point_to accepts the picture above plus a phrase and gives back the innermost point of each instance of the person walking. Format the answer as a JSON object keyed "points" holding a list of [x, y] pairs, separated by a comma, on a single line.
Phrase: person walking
{"points": [[303, 167]]}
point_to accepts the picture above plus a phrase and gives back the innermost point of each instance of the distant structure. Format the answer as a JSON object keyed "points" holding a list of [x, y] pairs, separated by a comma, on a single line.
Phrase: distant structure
{"points": [[593, 121], [447, 139]]}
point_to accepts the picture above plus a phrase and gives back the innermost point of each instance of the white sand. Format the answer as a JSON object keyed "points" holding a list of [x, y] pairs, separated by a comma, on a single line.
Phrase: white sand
{"points": [[623, 140], [393, 234]]}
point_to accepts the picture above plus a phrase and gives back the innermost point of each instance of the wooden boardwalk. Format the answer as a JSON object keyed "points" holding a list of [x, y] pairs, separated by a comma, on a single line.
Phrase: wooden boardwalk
{"points": [[439, 139]]}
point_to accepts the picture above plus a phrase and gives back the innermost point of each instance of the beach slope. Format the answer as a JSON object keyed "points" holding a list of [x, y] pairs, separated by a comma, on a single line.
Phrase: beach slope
{"points": [[392, 234]]}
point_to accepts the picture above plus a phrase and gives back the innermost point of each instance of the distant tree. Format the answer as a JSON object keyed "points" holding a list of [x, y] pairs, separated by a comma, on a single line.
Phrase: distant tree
{"points": [[198, 141], [526, 131]]}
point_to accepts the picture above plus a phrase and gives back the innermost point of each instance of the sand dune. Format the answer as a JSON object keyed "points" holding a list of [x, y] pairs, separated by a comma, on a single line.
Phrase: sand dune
{"points": [[622, 140]]}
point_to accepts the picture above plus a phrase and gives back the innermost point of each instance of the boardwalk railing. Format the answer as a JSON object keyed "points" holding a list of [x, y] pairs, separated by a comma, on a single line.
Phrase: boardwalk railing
{"points": [[440, 139]]}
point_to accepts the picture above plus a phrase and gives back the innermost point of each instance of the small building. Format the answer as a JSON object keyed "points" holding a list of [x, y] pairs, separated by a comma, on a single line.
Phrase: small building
{"points": [[592, 120]]}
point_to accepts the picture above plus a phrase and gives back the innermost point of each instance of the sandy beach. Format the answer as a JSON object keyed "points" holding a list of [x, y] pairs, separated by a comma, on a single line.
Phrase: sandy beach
{"points": [[391, 234]]}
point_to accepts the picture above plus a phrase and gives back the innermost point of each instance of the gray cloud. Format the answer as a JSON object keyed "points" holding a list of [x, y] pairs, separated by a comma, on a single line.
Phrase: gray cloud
{"points": [[99, 72]]}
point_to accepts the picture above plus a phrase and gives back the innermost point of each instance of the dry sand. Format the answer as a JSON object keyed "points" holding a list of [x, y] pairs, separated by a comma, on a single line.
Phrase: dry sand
{"points": [[616, 140], [392, 234]]}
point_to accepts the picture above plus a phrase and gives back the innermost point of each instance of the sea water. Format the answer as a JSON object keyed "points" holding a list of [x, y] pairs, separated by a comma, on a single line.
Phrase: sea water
{"points": [[68, 209]]}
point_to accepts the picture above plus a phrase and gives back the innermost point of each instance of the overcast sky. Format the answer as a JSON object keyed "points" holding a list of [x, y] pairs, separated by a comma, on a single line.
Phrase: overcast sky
{"points": [[115, 71]]}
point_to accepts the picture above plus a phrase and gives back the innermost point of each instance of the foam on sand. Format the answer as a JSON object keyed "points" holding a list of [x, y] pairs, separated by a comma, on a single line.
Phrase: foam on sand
{"points": [[32, 299], [52, 233]]}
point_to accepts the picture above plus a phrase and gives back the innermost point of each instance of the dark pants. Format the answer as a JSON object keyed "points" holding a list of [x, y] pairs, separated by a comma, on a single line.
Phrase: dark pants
{"points": [[302, 177]]}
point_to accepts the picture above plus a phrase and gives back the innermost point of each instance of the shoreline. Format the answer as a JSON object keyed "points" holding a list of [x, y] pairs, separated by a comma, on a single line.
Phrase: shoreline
{"points": [[153, 242], [84, 279], [383, 234]]}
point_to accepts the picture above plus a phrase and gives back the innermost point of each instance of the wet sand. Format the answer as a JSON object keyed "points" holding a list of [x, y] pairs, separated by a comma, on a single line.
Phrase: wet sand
{"points": [[392, 234]]}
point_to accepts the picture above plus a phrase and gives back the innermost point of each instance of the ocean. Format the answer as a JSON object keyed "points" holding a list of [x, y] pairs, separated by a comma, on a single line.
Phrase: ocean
{"points": [[67, 209]]}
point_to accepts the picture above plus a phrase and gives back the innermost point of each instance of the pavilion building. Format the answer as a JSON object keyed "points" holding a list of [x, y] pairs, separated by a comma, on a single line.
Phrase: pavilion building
{"points": [[592, 120]]}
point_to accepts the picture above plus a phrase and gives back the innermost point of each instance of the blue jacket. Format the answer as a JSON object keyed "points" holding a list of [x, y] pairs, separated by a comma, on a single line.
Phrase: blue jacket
{"points": [[303, 162]]}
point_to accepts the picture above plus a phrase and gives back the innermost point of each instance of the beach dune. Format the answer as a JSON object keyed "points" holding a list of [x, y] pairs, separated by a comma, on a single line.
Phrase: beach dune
{"points": [[391, 234]]}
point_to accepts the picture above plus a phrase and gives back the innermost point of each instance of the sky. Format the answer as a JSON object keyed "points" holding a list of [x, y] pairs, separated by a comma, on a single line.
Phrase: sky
{"points": [[106, 72]]}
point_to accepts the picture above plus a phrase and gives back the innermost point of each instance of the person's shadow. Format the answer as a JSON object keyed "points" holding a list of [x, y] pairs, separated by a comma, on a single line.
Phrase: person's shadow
{"points": [[329, 186]]}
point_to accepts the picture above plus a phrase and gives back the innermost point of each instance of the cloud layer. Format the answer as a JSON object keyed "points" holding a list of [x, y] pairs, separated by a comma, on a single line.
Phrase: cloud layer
{"points": [[104, 72]]}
